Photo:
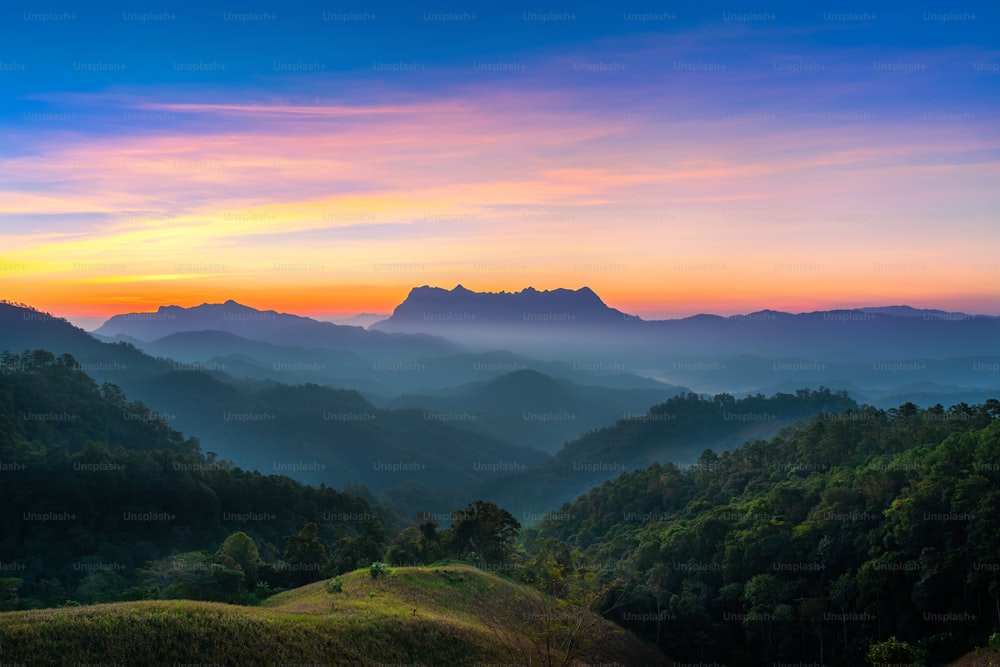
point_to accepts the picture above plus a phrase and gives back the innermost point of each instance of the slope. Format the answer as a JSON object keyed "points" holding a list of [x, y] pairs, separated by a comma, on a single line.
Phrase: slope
{"points": [[449, 615], [677, 431], [534, 409]]}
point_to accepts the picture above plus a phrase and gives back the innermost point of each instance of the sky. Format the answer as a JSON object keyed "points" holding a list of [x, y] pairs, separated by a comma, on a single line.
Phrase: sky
{"points": [[323, 158]]}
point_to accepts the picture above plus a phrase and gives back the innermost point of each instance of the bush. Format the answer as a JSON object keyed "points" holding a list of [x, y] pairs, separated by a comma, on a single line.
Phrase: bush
{"points": [[995, 641], [892, 651], [262, 590], [377, 569], [334, 585]]}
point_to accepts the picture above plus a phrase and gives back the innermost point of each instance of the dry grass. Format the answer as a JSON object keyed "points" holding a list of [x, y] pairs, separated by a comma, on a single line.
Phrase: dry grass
{"points": [[452, 615]]}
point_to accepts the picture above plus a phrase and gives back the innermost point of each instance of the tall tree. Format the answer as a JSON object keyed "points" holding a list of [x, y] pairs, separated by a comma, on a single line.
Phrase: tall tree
{"points": [[485, 531]]}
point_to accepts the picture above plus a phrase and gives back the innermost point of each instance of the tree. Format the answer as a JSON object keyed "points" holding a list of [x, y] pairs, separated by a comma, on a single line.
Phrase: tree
{"points": [[405, 547], [8, 593], [485, 531], [549, 567], [430, 539], [892, 651], [354, 552], [306, 556], [195, 575], [242, 551]]}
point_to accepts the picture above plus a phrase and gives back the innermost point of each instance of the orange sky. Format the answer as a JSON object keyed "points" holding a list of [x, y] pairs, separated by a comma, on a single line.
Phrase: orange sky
{"points": [[321, 206]]}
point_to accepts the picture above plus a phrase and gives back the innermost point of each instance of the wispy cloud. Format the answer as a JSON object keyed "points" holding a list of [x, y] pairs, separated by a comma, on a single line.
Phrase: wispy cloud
{"points": [[721, 180]]}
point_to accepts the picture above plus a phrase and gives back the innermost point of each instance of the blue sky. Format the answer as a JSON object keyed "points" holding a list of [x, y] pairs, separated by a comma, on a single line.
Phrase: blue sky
{"points": [[719, 157]]}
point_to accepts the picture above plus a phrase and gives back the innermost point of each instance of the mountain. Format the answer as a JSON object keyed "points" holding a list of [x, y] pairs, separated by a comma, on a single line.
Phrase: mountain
{"points": [[509, 320], [877, 352], [534, 409], [290, 364], [51, 400], [448, 615], [448, 372], [312, 433], [909, 311], [882, 350], [331, 436], [433, 307], [864, 380], [271, 327], [676, 431], [562, 315], [360, 320], [25, 328], [239, 357]]}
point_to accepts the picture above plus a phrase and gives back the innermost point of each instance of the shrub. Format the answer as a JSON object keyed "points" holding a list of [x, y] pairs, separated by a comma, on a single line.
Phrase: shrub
{"points": [[334, 585], [377, 569], [892, 651]]}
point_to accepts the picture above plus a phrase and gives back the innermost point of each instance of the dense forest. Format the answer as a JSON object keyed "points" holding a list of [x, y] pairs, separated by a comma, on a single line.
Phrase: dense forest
{"points": [[676, 430], [101, 501], [847, 530]]}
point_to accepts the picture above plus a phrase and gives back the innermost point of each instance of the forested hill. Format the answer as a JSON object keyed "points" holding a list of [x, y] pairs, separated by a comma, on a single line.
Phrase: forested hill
{"points": [[98, 495], [676, 431], [840, 533], [49, 399]]}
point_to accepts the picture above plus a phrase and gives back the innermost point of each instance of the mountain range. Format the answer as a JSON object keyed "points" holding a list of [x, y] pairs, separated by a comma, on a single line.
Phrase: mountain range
{"points": [[270, 326], [457, 410], [551, 319]]}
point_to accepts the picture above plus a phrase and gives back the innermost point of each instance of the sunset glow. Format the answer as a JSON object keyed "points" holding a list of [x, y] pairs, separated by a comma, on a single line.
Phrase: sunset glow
{"points": [[675, 170]]}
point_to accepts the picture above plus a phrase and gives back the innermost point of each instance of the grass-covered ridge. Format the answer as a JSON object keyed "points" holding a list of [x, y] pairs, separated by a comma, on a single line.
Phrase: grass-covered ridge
{"points": [[447, 615]]}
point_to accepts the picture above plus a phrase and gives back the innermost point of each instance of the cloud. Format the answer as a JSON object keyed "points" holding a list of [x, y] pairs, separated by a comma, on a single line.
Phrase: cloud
{"points": [[551, 169]]}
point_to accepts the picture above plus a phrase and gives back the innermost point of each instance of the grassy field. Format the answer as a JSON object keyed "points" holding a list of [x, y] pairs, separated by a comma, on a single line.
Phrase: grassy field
{"points": [[451, 615]]}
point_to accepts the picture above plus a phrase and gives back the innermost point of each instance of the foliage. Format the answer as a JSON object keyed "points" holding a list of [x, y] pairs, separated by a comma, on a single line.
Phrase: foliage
{"points": [[104, 501], [241, 552], [839, 532], [484, 531], [892, 652], [307, 557], [676, 430], [377, 569]]}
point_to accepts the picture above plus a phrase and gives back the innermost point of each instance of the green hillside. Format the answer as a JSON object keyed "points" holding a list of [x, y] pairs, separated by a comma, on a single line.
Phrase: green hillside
{"points": [[675, 431], [447, 615], [845, 531], [95, 490]]}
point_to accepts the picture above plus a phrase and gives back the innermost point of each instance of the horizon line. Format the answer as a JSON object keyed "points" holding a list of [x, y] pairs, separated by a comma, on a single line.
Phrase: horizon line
{"points": [[94, 322]]}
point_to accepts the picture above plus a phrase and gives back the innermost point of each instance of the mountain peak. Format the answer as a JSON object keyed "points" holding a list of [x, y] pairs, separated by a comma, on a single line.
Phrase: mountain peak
{"points": [[435, 308]]}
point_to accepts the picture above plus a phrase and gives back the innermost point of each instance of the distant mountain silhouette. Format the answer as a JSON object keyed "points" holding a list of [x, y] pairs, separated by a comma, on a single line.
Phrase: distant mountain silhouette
{"points": [[272, 327], [909, 311], [360, 320], [435, 308], [570, 324]]}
